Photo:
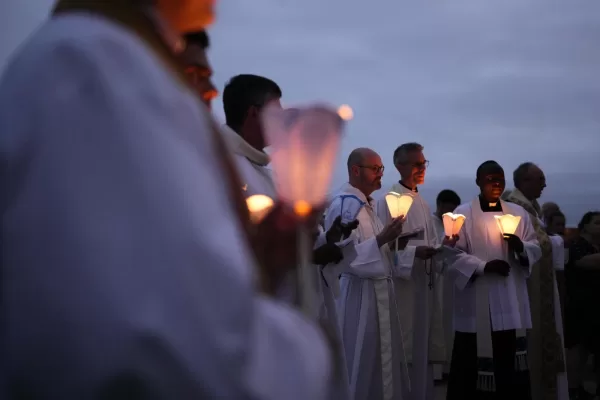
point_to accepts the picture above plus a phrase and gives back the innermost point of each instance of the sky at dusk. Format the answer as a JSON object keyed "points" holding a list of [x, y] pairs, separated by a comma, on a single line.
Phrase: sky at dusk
{"points": [[471, 80]]}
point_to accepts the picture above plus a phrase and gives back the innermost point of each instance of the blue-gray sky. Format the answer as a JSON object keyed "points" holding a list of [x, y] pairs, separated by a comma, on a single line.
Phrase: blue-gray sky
{"points": [[510, 80]]}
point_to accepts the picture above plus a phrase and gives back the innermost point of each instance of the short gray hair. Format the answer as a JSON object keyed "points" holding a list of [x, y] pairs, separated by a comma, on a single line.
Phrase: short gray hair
{"points": [[520, 173], [401, 153]]}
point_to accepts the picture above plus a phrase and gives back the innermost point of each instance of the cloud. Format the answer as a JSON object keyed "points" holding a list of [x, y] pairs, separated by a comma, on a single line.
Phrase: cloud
{"points": [[508, 80], [511, 80]]}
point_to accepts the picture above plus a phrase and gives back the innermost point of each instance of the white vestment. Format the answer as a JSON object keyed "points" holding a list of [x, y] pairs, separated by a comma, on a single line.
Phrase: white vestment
{"points": [[328, 287], [419, 304], [257, 178], [445, 290], [558, 258], [507, 298], [251, 164], [367, 310], [122, 261]]}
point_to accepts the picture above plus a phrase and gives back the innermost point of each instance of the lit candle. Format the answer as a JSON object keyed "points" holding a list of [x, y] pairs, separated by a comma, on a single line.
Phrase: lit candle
{"points": [[304, 145], [507, 223], [259, 206], [345, 112], [398, 204], [452, 223]]}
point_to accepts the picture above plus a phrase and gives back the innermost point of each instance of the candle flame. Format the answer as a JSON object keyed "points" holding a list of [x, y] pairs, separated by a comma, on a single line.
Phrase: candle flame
{"points": [[302, 208], [345, 112]]}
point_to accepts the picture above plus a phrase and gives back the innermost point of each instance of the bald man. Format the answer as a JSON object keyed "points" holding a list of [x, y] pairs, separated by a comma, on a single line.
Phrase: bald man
{"points": [[368, 317], [545, 345]]}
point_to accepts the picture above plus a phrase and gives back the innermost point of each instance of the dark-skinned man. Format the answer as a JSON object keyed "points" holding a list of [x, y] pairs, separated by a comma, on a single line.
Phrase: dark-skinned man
{"points": [[491, 303]]}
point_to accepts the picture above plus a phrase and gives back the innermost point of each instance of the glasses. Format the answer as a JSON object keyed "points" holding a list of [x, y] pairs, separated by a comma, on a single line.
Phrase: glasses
{"points": [[421, 165], [374, 168]]}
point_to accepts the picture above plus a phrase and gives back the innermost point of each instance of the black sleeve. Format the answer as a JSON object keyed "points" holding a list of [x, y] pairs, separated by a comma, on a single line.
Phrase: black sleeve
{"points": [[579, 249]]}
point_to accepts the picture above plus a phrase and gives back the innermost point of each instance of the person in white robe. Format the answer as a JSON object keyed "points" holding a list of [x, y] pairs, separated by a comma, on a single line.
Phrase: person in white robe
{"points": [[545, 344], [367, 310], [334, 250], [244, 97], [420, 312], [491, 304], [126, 273], [446, 202]]}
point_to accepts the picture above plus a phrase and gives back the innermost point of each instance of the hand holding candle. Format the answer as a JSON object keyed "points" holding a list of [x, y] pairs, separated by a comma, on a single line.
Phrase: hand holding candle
{"points": [[508, 225], [259, 206], [453, 224], [305, 143], [398, 204]]}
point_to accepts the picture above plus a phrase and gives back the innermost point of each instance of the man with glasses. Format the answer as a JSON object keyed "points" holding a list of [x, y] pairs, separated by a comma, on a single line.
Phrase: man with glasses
{"points": [[367, 312], [545, 349], [420, 313]]}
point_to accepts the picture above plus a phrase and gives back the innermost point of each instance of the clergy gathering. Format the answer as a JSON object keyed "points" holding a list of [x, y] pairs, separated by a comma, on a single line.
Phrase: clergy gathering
{"points": [[152, 252]]}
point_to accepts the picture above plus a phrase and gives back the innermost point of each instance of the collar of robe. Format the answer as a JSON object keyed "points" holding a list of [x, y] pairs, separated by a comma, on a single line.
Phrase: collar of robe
{"points": [[416, 189], [486, 206], [238, 145], [349, 189]]}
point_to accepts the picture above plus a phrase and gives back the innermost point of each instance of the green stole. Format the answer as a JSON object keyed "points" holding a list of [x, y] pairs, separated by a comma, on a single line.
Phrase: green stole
{"points": [[545, 348]]}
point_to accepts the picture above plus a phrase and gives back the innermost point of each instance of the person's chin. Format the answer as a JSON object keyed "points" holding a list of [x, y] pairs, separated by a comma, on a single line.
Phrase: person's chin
{"points": [[378, 185]]}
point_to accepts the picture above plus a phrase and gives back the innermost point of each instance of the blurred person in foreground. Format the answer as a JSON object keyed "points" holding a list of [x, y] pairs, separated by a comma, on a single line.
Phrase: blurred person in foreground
{"points": [[367, 310], [446, 202], [124, 234], [545, 342], [491, 304], [582, 274], [197, 67], [414, 278]]}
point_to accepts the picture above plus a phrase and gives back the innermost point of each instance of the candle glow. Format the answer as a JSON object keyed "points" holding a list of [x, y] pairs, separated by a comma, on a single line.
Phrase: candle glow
{"points": [[259, 206], [452, 223], [398, 204]]}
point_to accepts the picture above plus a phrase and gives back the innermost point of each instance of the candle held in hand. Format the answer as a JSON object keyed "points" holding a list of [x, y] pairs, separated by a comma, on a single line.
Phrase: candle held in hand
{"points": [[452, 223], [398, 204], [259, 206], [507, 223]]}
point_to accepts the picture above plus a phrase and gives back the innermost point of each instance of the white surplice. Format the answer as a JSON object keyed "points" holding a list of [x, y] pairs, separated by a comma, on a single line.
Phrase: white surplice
{"points": [[419, 305], [445, 289], [367, 310], [558, 259], [121, 256], [328, 289], [481, 241], [251, 163]]}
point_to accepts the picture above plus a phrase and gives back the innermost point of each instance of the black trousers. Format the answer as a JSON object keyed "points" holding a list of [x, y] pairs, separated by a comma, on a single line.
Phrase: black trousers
{"points": [[462, 382]]}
